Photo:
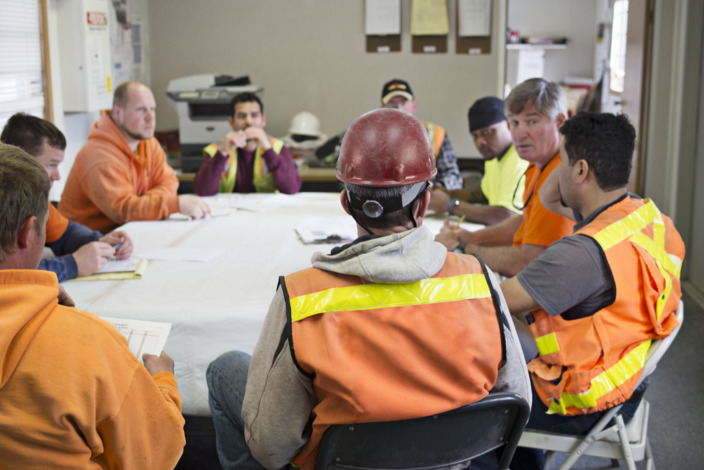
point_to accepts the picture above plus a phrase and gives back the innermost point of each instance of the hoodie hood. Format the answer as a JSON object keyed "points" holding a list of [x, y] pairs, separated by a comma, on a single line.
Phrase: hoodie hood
{"points": [[106, 132], [402, 257], [27, 297]]}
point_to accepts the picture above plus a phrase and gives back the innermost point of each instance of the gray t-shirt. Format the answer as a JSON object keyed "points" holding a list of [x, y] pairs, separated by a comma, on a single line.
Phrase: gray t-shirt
{"points": [[570, 278]]}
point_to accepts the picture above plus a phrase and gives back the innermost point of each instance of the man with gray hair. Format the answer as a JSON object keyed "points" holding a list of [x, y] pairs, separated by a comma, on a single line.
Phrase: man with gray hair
{"points": [[535, 109], [72, 393]]}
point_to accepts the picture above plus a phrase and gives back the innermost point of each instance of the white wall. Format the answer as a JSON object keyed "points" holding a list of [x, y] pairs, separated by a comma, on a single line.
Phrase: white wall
{"points": [[574, 19], [310, 55], [75, 126]]}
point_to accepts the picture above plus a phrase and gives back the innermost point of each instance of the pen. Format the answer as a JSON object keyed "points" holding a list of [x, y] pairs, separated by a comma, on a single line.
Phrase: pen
{"points": [[458, 223], [118, 246]]}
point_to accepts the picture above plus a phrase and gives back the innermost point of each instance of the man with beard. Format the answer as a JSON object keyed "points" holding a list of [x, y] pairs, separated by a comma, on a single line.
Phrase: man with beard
{"points": [[121, 173]]}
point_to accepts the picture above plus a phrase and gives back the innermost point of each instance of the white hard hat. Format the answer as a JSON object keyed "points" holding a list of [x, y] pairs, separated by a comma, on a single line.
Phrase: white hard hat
{"points": [[305, 123]]}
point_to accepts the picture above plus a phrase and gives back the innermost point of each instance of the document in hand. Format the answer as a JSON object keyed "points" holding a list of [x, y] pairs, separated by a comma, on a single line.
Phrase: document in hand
{"points": [[142, 336], [116, 270]]}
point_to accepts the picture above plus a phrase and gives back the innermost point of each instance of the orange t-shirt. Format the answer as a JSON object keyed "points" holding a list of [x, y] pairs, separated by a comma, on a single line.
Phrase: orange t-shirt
{"points": [[56, 224], [540, 226]]}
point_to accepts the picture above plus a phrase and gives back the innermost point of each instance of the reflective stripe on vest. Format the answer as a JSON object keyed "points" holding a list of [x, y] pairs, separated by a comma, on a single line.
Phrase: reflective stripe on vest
{"points": [[629, 228], [228, 179], [605, 382], [373, 296]]}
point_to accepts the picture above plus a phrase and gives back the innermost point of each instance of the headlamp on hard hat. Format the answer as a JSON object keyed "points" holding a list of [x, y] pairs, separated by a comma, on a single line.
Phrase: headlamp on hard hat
{"points": [[374, 208]]}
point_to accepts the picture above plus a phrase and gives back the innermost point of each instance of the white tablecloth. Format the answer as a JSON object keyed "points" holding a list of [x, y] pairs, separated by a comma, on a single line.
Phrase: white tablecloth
{"points": [[218, 305]]}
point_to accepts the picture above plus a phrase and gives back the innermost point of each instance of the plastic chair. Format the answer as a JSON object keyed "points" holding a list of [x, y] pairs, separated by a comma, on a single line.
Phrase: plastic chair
{"points": [[617, 441], [441, 440]]}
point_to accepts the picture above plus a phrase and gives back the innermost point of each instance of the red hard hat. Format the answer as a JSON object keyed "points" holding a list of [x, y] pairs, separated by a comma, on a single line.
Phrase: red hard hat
{"points": [[385, 147]]}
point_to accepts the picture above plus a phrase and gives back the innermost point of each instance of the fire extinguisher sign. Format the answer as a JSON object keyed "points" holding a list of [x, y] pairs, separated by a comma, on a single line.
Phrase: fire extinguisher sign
{"points": [[97, 18]]}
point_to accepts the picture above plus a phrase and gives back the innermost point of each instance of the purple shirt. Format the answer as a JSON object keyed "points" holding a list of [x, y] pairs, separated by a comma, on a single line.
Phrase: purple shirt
{"points": [[280, 166]]}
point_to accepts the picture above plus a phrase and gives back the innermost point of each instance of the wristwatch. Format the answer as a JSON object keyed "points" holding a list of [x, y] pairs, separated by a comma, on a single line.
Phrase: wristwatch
{"points": [[460, 248], [451, 204]]}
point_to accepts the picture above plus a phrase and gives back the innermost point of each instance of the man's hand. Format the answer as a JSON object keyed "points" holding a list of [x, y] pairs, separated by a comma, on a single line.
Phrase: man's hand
{"points": [[155, 364], [92, 257], [258, 134], [64, 298], [448, 236], [193, 206], [120, 238], [234, 139], [438, 200]]}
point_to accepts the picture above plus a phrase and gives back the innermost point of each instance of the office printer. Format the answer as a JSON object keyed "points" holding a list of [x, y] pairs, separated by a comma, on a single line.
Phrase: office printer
{"points": [[203, 106]]}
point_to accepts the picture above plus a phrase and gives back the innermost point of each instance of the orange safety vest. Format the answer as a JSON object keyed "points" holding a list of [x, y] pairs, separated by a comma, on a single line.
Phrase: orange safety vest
{"points": [[593, 363], [384, 352], [436, 134], [263, 180]]}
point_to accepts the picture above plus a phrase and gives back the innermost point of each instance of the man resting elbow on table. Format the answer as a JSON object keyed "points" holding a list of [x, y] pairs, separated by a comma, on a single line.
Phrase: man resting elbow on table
{"points": [[536, 109], [492, 199], [78, 250], [121, 174], [247, 159]]}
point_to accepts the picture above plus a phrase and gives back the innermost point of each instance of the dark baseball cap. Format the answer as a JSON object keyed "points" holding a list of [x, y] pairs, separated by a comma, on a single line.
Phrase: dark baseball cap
{"points": [[396, 87]]}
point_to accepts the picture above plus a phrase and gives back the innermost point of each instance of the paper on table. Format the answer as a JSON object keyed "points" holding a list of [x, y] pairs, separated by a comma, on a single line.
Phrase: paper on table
{"points": [[120, 265], [142, 336], [215, 211], [327, 229], [117, 270], [258, 202], [181, 254]]}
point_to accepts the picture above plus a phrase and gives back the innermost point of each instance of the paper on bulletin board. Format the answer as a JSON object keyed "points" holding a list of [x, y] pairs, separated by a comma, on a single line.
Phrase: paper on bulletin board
{"points": [[474, 17], [382, 17], [429, 18]]}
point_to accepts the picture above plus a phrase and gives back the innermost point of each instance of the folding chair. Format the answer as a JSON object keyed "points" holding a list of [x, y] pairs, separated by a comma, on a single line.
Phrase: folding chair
{"points": [[617, 441], [450, 438]]}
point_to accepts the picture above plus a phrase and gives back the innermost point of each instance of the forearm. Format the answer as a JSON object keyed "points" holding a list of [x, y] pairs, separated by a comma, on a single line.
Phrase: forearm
{"points": [[75, 236], [283, 170], [64, 267], [207, 180], [483, 214], [500, 234], [506, 260]]}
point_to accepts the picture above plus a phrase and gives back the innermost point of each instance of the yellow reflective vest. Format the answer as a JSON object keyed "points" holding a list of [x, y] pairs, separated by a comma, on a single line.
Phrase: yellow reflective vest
{"points": [[382, 352], [591, 364], [263, 180]]}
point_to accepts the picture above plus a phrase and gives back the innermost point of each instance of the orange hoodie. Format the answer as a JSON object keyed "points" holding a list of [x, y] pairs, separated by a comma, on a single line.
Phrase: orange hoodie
{"points": [[72, 395], [109, 185]]}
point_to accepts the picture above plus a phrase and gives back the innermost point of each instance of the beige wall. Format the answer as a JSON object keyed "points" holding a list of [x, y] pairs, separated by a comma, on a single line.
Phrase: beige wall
{"points": [[310, 55]]}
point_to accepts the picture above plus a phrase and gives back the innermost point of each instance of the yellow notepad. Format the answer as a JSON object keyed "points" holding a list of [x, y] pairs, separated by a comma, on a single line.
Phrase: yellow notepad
{"points": [[117, 270]]}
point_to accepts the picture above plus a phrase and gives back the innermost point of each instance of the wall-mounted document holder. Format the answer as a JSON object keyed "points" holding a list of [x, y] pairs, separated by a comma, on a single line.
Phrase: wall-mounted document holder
{"points": [[429, 44], [473, 45], [385, 43]]}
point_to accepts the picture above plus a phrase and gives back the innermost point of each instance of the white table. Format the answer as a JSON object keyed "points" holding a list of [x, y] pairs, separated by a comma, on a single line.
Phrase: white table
{"points": [[219, 305]]}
